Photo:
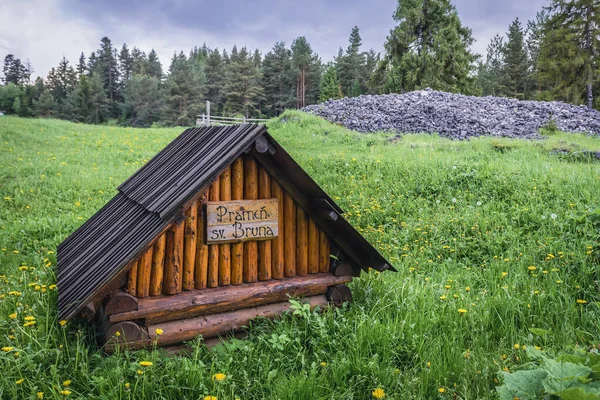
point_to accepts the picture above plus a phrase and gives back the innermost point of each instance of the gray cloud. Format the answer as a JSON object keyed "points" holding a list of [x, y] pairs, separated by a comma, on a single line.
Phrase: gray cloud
{"points": [[45, 30]]}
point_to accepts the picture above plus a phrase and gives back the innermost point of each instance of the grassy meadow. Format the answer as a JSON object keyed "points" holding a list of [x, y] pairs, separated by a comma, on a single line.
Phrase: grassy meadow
{"points": [[492, 238]]}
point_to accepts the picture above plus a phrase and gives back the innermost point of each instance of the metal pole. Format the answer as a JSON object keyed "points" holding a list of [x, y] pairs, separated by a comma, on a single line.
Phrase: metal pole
{"points": [[208, 112]]}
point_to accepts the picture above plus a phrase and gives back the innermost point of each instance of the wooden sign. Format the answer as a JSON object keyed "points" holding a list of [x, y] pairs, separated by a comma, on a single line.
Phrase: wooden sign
{"points": [[241, 220]]}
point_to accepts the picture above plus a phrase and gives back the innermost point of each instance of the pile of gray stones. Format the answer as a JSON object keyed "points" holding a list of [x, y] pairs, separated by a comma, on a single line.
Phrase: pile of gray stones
{"points": [[456, 116]]}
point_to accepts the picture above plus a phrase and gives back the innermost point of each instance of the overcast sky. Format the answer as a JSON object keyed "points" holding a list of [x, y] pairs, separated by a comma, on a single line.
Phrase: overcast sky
{"points": [[45, 30]]}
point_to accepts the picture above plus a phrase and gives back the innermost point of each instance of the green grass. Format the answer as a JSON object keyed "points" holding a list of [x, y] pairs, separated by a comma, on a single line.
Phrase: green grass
{"points": [[464, 220]]}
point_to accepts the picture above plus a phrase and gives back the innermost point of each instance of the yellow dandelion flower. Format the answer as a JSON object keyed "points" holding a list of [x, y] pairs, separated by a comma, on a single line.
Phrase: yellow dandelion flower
{"points": [[30, 323], [442, 297], [127, 385], [441, 390], [378, 393], [210, 398], [447, 286], [428, 364], [504, 274], [23, 268], [532, 268], [29, 318], [52, 287], [462, 311], [65, 392], [159, 331], [20, 381], [7, 349], [537, 347], [218, 377], [140, 372], [16, 354], [13, 316], [67, 383], [40, 395], [117, 333], [146, 363], [503, 356], [517, 347], [536, 292], [558, 282], [467, 289], [323, 364], [62, 322], [581, 301]]}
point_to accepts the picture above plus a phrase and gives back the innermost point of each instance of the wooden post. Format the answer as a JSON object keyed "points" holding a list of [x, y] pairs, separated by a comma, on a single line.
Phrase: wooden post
{"points": [[158, 266], [201, 273], [143, 275], [225, 249], [301, 242], [264, 247], [324, 256], [313, 247], [251, 193], [132, 278], [277, 245], [289, 225], [189, 253], [173, 259], [213, 249], [237, 193]]}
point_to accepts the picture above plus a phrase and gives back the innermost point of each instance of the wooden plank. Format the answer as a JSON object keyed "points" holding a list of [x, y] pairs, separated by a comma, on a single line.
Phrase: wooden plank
{"points": [[214, 194], [201, 272], [313, 247], [237, 193], [264, 247], [224, 249], [219, 213], [250, 272], [174, 260], [143, 274], [324, 252], [277, 245], [189, 245], [132, 278], [301, 242], [228, 298], [289, 226], [256, 231], [158, 266], [219, 324]]}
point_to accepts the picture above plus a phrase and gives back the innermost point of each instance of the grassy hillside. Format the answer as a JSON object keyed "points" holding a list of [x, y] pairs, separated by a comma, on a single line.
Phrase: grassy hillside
{"points": [[483, 234]]}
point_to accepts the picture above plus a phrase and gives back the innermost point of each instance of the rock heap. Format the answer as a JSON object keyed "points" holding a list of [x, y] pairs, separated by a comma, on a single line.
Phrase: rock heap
{"points": [[455, 116]]}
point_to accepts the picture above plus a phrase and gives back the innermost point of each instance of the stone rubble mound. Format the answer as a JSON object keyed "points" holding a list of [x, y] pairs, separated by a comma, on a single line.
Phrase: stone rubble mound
{"points": [[455, 116]]}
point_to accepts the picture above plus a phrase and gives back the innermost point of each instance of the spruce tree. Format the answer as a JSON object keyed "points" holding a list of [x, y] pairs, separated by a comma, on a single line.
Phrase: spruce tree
{"points": [[535, 36], [153, 66], [81, 66], [15, 71], [330, 88], [125, 65], [242, 88], [45, 106], [277, 79], [215, 76], [567, 57], [142, 101], [430, 48], [490, 74], [107, 68], [183, 93], [515, 62], [307, 72]]}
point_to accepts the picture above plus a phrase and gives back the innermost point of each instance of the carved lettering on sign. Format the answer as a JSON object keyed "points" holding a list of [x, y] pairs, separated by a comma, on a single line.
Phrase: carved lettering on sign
{"points": [[241, 220]]}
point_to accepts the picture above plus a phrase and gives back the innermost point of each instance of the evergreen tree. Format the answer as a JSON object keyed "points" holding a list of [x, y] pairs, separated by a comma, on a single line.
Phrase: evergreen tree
{"points": [[45, 106], [81, 66], [108, 72], [567, 59], [242, 88], [277, 79], [88, 102], [154, 67], [215, 76], [60, 82], [430, 48], [138, 61], [15, 71], [350, 67], [515, 62], [490, 74], [330, 88], [307, 72], [183, 93], [142, 101], [125, 65], [535, 32]]}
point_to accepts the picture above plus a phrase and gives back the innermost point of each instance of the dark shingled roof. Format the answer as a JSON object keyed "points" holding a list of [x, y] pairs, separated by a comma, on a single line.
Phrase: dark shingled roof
{"points": [[155, 195]]}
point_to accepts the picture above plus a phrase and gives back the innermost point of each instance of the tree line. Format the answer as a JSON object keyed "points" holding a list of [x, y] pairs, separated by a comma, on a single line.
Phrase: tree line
{"points": [[550, 58]]}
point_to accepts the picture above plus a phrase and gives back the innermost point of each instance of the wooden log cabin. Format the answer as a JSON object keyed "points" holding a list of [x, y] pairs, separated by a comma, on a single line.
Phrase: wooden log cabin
{"points": [[220, 227]]}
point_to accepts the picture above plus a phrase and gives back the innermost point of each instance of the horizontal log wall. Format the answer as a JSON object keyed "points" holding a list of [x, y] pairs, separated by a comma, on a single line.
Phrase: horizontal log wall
{"points": [[180, 260]]}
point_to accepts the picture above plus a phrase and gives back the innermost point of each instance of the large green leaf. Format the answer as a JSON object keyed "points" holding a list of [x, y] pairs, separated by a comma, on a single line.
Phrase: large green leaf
{"points": [[522, 384], [579, 393]]}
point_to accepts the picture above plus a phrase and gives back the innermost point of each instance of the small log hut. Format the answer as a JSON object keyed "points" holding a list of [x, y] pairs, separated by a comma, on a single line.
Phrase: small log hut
{"points": [[220, 227]]}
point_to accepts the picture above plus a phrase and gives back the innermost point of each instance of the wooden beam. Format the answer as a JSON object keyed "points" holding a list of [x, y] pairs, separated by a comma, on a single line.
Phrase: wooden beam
{"points": [[250, 193], [158, 266], [201, 272], [313, 247], [277, 245], [301, 242], [225, 248], [214, 194], [264, 247], [143, 274], [173, 260], [189, 245], [132, 277], [120, 302], [324, 252], [289, 226], [204, 302], [219, 324], [237, 193]]}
